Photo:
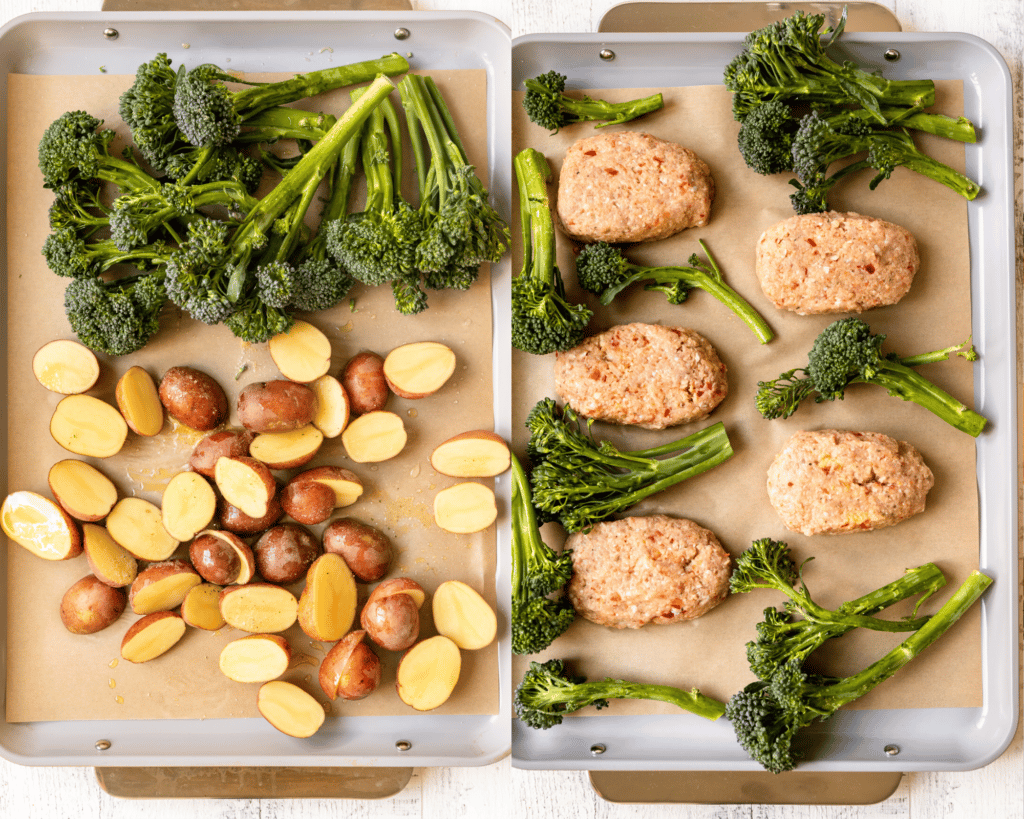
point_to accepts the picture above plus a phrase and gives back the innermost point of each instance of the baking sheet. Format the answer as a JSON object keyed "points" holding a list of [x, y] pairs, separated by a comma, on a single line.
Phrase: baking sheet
{"points": [[949, 532], [398, 494]]}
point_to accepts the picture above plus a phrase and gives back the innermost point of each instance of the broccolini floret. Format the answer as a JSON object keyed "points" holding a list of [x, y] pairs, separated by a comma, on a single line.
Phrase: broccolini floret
{"points": [[580, 481], [845, 353], [782, 636], [548, 691], [537, 573], [117, 317], [547, 105], [604, 271], [543, 319], [768, 715], [68, 254]]}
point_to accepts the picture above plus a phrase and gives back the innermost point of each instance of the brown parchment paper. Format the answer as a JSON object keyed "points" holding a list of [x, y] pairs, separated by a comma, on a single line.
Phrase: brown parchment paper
{"points": [[53, 675], [731, 500]]}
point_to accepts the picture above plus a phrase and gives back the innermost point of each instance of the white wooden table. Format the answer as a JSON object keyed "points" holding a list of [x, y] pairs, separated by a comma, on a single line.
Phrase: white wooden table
{"points": [[498, 791]]}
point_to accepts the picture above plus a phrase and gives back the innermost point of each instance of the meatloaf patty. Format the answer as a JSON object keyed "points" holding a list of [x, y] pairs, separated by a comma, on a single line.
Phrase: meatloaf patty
{"points": [[830, 482], [632, 187], [642, 374], [639, 570], [835, 263]]}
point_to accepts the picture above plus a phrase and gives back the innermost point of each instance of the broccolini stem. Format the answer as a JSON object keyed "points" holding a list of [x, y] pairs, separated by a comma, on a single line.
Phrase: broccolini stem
{"points": [[937, 171], [587, 109], [532, 171], [850, 688], [903, 382], [693, 701], [960, 128]]}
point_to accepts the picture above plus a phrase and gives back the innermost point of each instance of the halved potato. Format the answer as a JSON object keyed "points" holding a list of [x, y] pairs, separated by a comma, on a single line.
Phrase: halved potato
{"points": [[85, 493], [151, 636], [246, 483], [91, 605], [40, 525], [290, 709], [418, 369], [327, 605], [201, 607], [302, 354], [139, 402], [350, 670], [374, 437], [287, 450], [109, 560], [137, 525], [255, 658], [346, 484], [259, 608], [478, 453], [332, 406], [188, 505], [461, 614], [85, 425], [162, 586], [465, 508], [66, 367], [428, 673]]}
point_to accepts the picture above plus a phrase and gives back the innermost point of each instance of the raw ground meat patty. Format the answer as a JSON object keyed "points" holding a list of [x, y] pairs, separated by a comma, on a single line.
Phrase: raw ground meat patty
{"points": [[642, 374], [639, 570], [830, 482], [835, 263], [632, 187]]}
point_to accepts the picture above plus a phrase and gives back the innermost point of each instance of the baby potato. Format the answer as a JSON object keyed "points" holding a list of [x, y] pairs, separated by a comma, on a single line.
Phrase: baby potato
{"points": [[193, 398], [364, 383], [233, 519], [391, 616], [366, 550], [308, 502], [285, 553], [90, 605], [227, 443], [276, 406], [350, 670]]}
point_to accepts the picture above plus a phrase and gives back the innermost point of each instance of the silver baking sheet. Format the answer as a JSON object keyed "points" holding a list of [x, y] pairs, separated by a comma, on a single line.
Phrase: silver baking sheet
{"points": [[927, 739], [75, 43]]}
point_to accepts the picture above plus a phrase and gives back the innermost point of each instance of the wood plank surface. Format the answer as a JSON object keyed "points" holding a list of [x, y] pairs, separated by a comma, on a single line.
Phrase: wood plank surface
{"points": [[498, 791]]}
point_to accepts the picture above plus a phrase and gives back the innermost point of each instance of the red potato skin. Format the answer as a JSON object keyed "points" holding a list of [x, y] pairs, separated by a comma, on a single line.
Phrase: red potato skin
{"points": [[276, 406], [285, 552], [87, 597], [229, 443], [235, 520], [214, 559], [363, 380], [392, 622], [366, 550], [193, 398], [350, 670], [307, 502]]}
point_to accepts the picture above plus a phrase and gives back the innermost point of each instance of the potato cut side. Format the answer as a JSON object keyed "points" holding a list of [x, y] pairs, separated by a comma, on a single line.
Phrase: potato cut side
{"points": [[290, 709], [66, 367], [201, 607], [245, 483], [465, 508], [137, 525], [287, 450], [81, 489], [428, 673], [346, 484], [332, 406], [139, 402], [476, 454], [256, 658], [162, 586], [462, 615], [327, 606], [259, 608], [40, 525], [151, 636], [188, 505], [88, 426], [374, 437], [109, 560], [419, 369], [302, 354]]}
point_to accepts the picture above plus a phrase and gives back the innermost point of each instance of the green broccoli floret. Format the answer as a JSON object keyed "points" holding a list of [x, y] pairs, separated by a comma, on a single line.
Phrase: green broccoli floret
{"points": [[208, 113], [461, 229], [768, 715], [74, 149], [781, 637], [547, 692], [846, 352], [68, 254], [580, 482], [820, 141], [787, 60], [543, 319], [604, 271], [548, 105], [78, 206], [537, 573], [117, 317], [377, 246]]}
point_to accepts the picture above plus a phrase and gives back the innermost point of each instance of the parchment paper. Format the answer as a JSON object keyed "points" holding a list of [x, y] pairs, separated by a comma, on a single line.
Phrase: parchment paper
{"points": [[53, 675], [731, 500]]}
